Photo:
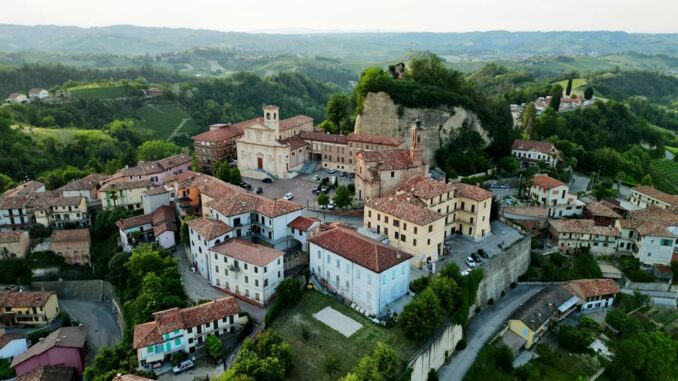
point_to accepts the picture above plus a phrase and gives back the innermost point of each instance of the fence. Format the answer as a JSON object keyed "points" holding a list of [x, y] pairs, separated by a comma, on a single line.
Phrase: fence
{"points": [[435, 352]]}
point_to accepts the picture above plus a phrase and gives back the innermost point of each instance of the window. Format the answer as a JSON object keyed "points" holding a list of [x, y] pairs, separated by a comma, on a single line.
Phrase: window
{"points": [[386, 232], [319, 255], [378, 217], [246, 279], [369, 213], [415, 230], [403, 237], [396, 223], [430, 228], [265, 282], [216, 269], [473, 208], [338, 264], [392, 174], [428, 242], [397, 235], [386, 219], [369, 279], [256, 283], [414, 241]]}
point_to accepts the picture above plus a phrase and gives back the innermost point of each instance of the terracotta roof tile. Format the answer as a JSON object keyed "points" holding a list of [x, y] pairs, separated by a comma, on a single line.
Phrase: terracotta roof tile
{"points": [[225, 133], [128, 223], [25, 298], [49, 373], [249, 252], [294, 122], [86, 183], [528, 145], [126, 185], [302, 223], [375, 139], [323, 137], [426, 187], [209, 229], [24, 188], [656, 214], [234, 203], [583, 227], [359, 249], [599, 210], [406, 208], [294, 142], [646, 228], [70, 235], [588, 288], [546, 182], [656, 194], [11, 237], [473, 192], [388, 159]]}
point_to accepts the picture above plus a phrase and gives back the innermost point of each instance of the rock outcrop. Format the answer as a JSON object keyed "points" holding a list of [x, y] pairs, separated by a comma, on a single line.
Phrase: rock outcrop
{"points": [[380, 116]]}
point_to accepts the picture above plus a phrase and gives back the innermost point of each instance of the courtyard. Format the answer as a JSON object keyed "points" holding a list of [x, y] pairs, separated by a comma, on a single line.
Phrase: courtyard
{"points": [[312, 339]]}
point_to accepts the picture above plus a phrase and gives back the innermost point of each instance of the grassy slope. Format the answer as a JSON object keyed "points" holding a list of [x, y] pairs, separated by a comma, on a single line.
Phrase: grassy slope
{"points": [[96, 91], [61, 135], [164, 117], [665, 175], [323, 340]]}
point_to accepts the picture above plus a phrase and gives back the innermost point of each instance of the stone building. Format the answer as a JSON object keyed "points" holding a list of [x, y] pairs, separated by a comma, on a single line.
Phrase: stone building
{"points": [[74, 245]]}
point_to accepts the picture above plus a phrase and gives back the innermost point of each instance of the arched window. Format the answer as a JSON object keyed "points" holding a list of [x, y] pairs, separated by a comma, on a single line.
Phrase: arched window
{"points": [[268, 116]]}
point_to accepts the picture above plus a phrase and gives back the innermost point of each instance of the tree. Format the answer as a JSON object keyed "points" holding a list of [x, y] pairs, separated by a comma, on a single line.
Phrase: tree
{"points": [[156, 150], [556, 94], [422, 316], [573, 339], [568, 88], [527, 118], [383, 364], [6, 183], [647, 180], [339, 111], [432, 375], [447, 292], [213, 346], [342, 197], [184, 236], [330, 365], [323, 199], [588, 93]]}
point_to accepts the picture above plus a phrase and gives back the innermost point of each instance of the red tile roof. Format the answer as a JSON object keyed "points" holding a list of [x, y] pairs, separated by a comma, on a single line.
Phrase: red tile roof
{"points": [[249, 252], [5, 338], [656, 194], [426, 187], [135, 221], [473, 192], [84, 184], [389, 159], [656, 214], [71, 235], [174, 319], [209, 229], [599, 210], [294, 142], [233, 131], [583, 227], [234, 203], [24, 188], [646, 228], [25, 298], [294, 122], [589, 288], [65, 337], [126, 185], [528, 145], [546, 182], [359, 249], [49, 373], [11, 237], [302, 223], [323, 137], [406, 208], [375, 139]]}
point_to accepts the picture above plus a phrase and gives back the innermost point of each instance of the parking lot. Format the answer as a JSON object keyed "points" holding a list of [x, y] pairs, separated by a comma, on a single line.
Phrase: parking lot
{"points": [[461, 247], [301, 186]]}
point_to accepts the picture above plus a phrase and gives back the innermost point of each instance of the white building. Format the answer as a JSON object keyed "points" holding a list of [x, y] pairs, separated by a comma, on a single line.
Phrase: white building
{"points": [[531, 152], [185, 330], [38, 93], [12, 344], [204, 234], [17, 98], [594, 294], [367, 272], [555, 195], [246, 270], [649, 241], [644, 196], [154, 198], [86, 187], [159, 226], [273, 148], [302, 228], [572, 234]]}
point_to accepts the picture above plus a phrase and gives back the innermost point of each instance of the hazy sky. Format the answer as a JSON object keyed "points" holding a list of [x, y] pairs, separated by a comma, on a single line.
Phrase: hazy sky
{"points": [[654, 16]]}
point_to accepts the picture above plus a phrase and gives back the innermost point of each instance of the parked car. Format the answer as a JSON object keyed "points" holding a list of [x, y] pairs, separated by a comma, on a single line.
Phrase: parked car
{"points": [[343, 174], [288, 196], [183, 366], [330, 205], [316, 178], [324, 189], [470, 262], [476, 258], [315, 190], [483, 253], [331, 170], [267, 180], [351, 175], [257, 190], [246, 185]]}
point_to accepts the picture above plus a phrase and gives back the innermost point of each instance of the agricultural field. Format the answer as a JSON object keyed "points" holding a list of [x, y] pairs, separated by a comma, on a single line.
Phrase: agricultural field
{"points": [[309, 348], [165, 118], [61, 135], [99, 91], [578, 85], [665, 175]]}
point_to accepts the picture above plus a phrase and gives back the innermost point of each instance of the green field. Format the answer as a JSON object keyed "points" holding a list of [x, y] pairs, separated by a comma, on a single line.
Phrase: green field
{"points": [[673, 150], [61, 135], [165, 117], [98, 91], [309, 353], [665, 175], [578, 85]]}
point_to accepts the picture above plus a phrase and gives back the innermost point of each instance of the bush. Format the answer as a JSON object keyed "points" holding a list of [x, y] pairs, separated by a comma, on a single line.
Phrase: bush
{"points": [[420, 284], [178, 357], [513, 285], [247, 328], [461, 345], [490, 301], [432, 375], [288, 293], [305, 334]]}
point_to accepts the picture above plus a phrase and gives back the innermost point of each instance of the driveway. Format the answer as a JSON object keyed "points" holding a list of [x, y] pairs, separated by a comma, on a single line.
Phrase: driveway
{"points": [[203, 368], [103, 331], [483, 327], [197, 288]]}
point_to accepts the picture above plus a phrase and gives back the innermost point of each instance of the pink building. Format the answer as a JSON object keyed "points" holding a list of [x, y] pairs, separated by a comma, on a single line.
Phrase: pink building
{"points": [[67, 346]]}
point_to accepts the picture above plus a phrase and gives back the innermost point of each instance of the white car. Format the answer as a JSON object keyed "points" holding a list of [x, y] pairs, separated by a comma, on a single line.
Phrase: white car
{"points": [[185, 365], [470, 262], [331, 170], [330, 205], [288, 196]]}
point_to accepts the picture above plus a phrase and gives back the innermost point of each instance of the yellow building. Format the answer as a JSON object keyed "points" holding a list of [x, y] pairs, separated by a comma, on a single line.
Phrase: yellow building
{"points": [[57, 211], [124, 195], [466, 207], [28, 307], [550, 305], [408, 225]]}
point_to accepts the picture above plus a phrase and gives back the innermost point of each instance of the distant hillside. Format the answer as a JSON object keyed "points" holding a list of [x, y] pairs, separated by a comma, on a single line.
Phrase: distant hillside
{"points": [[125, 39]]}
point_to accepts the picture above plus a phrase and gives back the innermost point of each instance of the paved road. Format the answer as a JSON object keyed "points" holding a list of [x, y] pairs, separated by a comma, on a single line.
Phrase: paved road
{"points": [[103, 331], [483, 327], [197, 288]]}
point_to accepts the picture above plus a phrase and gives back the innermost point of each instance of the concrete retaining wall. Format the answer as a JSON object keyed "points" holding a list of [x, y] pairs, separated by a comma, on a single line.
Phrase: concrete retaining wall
{"points": [[433, 353], [93, 290], [654, 286], [502, 270]]}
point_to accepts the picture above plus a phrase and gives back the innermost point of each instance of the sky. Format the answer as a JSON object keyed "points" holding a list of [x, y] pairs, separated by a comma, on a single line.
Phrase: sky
{"points": [[646, 16]]}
